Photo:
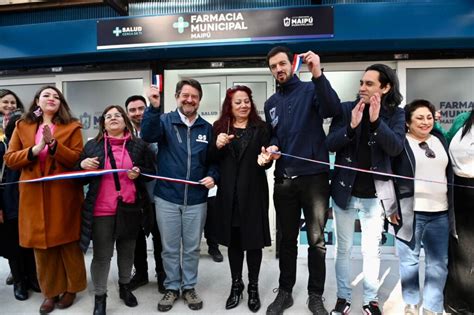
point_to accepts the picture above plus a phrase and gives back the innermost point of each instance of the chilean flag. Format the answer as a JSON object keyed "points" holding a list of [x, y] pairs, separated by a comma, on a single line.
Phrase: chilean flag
{"points": [[297, 61], [157, 80]]}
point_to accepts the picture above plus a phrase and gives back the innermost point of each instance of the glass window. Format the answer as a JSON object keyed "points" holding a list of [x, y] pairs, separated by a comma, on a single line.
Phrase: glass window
{"points": [[449, 89], [89, 98]]}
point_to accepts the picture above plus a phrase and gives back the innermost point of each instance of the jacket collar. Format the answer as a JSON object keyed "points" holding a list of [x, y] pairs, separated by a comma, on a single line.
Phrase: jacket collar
{"points": [[176, 119], [288, 86]]}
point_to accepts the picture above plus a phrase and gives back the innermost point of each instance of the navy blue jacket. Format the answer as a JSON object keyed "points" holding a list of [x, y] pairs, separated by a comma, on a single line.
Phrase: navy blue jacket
{"points": [[385, 141], [405, 164], [296, 112], [182, 154]]}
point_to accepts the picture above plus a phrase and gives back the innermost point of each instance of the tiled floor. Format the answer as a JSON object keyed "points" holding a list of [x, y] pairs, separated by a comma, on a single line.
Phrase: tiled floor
{"points": [[213, 286]]}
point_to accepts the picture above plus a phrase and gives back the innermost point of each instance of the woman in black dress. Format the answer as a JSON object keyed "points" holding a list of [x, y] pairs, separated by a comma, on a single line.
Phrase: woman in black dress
{"points": [[242, 194]]}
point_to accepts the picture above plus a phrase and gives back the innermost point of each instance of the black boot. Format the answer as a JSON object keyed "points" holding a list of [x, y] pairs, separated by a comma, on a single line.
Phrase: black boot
{"points": [[100, 304], [254, 298], [235, 294], [127, 296], [20, 291]]}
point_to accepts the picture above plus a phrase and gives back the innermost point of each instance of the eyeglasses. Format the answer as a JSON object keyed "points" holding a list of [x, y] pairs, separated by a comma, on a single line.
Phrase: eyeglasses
{"points": [[110, 116], [428, 152]]}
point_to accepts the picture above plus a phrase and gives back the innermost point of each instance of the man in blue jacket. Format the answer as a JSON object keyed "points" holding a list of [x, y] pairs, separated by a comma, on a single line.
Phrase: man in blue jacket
{"points": [[367, 133], [183, 138], [296, 115]]}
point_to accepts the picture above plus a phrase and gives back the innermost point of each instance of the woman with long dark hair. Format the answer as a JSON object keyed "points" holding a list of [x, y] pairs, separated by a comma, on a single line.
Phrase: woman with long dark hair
{"points": [[115, 146], [242, 193], [48, 141], [459, 290]]}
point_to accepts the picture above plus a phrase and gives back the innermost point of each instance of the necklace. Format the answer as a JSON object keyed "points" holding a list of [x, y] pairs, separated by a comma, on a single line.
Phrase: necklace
{"points": [[239, 132]]}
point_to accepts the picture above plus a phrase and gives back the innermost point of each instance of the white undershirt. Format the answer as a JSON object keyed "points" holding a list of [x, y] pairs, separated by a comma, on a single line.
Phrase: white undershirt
{"points": [[461, 152], [430, 197], [186, 120]]}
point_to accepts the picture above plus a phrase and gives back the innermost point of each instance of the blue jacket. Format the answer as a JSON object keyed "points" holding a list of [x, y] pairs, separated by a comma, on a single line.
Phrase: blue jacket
{"points": [[385, 141], [182, 154], [405, 164], [296, 115]]}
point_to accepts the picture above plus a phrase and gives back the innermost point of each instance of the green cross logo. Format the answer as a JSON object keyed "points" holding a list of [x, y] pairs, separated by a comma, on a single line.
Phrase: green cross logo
{"points": [[180, 25]]}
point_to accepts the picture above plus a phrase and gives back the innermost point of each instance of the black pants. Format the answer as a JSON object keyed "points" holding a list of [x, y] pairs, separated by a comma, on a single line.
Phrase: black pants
{"points": [[310, 193], [236, 258], [211, 221], [140, 261], [459, 290], [21, 260]]}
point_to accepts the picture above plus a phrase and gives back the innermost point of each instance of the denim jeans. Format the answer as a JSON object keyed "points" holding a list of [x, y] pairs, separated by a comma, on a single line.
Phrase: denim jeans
{"points": [[431, 229], [103, 229], [371, 217], [180, 226], [310, 193]]}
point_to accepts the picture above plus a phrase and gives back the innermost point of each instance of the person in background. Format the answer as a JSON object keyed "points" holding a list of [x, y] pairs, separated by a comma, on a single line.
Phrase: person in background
{"points": [[48, 141], [115, 146], [296, 116], [183, 140], [426, 214], [21, 260], [9, 102], [242, 193], [135, 106], [367, 134], [460, 283]]}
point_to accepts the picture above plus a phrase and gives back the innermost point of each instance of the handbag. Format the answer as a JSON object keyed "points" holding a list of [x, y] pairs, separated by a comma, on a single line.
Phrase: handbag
{"points": [[128, 217]]}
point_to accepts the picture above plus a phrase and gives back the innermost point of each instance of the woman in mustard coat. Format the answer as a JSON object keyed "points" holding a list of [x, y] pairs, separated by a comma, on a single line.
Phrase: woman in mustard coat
{"points": [[47, 141]]}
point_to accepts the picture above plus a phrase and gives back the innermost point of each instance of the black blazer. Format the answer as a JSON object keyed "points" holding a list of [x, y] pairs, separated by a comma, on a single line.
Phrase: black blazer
{"points": [[242, 177]]}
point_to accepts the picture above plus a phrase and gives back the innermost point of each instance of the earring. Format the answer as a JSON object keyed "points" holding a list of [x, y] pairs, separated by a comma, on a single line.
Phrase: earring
{"points": [[38, 111]]}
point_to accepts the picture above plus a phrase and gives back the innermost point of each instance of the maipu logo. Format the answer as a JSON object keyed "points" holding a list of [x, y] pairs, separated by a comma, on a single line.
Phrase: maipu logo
{"points": [[181, 25]]}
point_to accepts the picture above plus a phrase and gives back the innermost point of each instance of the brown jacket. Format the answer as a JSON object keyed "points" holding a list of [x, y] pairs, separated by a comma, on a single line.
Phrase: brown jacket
{"points": [[49, 212]]}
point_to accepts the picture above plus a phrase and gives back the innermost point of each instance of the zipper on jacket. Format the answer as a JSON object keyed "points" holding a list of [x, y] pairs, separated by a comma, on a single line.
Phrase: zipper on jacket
{"points": [[188, 172], [178, 135], [409, 160]]}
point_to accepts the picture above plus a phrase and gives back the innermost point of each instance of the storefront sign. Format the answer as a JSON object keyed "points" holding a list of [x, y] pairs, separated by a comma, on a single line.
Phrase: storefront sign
{"points": [[216, 27]]}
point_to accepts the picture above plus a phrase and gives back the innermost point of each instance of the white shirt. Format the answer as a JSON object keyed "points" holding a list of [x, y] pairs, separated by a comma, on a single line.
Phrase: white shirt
{"points": [[461, 152], [430, 197], [186, 120]]}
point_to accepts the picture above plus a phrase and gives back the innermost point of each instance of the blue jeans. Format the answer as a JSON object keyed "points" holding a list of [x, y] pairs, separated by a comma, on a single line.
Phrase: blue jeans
{"points": [[431, 229], [371, 217], [180, 225]]}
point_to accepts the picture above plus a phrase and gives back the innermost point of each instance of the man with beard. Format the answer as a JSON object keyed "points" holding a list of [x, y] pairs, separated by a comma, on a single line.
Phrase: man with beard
{"points": [[135, 106], [183, 139], [296, 116]]}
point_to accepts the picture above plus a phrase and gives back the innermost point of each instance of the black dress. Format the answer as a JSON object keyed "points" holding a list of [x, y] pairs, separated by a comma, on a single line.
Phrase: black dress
{"points": [[242, 193]]}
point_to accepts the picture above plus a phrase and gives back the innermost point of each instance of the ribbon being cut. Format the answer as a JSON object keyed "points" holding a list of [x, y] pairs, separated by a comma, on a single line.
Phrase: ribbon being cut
{"points": [[82, 174]]}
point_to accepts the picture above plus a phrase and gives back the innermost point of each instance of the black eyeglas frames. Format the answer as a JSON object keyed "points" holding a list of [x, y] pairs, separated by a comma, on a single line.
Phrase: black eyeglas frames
{"points": [[428, 152]]}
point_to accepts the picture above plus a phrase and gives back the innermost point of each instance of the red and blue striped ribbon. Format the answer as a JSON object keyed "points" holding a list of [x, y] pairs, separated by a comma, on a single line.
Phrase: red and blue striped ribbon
{"points": [[83, 174], [368, 171]]}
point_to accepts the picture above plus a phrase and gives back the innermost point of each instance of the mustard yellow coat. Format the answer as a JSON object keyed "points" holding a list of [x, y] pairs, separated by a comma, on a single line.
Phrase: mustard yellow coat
{"points": [[49, 212]]}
